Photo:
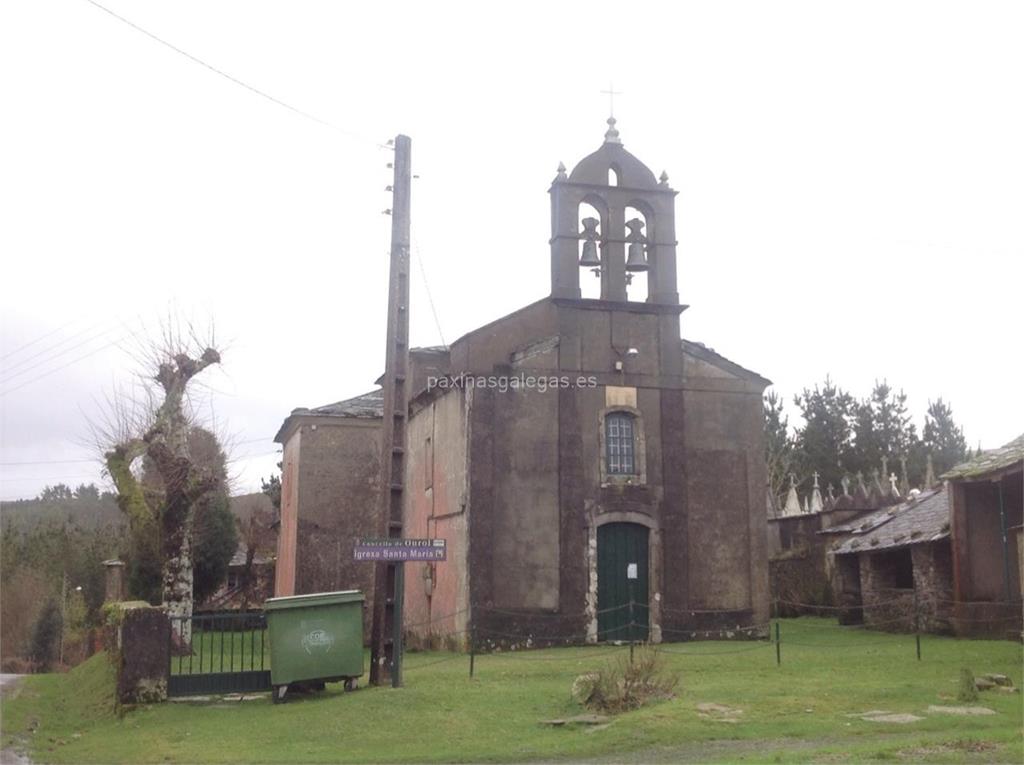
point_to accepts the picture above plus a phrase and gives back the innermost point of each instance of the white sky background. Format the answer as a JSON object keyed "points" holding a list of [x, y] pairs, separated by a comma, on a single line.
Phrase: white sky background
{"points": [[850, 177]]}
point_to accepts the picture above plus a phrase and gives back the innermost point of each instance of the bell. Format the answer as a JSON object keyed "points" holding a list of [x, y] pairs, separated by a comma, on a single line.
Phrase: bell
{"points": [[636, 261], [590, 258]]}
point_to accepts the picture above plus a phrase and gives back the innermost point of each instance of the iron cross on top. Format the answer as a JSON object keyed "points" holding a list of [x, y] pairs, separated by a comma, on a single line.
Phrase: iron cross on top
{"points": [[611, 93]]}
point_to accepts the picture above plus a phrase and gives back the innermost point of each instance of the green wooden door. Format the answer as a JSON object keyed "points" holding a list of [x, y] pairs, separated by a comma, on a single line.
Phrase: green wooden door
{"points": [[621, 549]]}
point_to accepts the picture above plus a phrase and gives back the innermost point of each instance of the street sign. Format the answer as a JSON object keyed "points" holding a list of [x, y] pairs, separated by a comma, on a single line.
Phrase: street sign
{"points": [[631, 572], [398, 550]]}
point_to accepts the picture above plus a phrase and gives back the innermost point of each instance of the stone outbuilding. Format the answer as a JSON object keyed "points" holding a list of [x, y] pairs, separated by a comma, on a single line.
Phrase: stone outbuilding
{"points": [[986, 502], [583, 462], [893, 567]]}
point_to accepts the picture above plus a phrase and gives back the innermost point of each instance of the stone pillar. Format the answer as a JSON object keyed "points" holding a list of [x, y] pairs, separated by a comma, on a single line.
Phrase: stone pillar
{"points": [[139, 645], [114, 581]]}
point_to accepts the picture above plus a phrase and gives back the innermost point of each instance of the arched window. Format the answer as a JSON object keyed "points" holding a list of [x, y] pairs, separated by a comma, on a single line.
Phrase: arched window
{"points": [[620, 443]]}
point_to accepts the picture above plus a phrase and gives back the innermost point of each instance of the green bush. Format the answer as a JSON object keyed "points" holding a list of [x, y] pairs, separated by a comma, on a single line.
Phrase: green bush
{"points": [[46, 637]]}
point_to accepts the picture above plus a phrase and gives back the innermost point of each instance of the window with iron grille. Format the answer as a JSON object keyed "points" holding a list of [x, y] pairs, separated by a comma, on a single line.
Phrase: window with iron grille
{"points": [[620, 443]]}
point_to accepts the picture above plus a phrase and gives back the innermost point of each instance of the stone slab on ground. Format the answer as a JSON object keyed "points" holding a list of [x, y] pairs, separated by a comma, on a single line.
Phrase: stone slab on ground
{"points": [[901, 718], [708, 710], [578, 720], [964, 711]]}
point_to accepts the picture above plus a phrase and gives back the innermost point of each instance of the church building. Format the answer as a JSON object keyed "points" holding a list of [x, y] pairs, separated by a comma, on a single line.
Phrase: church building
{"points": [[595, 476]]}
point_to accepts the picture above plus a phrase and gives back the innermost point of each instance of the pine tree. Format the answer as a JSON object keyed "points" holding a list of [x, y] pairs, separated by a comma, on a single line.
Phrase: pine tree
{"points": [[779, 453], [883, 428], [942, 437], [45, 637], [824, 441]]}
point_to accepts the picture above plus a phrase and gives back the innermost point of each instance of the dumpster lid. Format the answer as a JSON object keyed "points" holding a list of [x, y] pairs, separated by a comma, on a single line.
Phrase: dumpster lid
{"points": [[313, 599]]}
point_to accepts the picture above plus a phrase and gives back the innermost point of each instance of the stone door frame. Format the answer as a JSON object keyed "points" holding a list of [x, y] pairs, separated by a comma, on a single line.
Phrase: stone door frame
{"points": [[654, 570]]}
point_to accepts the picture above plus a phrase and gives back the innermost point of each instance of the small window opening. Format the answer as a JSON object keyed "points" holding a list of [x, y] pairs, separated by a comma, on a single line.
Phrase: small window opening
{"points": [[613, 177], [895, 569]]}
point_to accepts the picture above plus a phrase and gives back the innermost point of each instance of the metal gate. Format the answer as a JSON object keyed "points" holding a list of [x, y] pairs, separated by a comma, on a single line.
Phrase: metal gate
{"points": [[622, 581], [219, 653]]}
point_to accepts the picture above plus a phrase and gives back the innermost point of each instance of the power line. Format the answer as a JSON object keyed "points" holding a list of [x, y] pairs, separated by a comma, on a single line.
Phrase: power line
{"points": [[29, 344], [52, 346], [22, 479], [426, 286], [55, 356], [235, 80], [43, 462], [63, 366]]}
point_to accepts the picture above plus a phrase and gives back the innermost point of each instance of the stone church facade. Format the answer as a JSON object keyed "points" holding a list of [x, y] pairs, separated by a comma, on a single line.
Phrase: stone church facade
{"points": [[595, 476]]}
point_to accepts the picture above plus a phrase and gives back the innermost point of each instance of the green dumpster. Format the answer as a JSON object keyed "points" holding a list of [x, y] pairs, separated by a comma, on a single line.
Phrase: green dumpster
{"points": [[315, 639]]}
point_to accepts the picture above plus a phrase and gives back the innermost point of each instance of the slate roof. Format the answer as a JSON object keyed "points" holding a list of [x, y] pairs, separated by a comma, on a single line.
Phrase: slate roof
{"points": [[923, 519], [990, 461], [367, 405], [701, 351]]}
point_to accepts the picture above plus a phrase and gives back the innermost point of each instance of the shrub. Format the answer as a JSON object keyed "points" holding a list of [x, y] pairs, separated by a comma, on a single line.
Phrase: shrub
{"points": [[46, 636], [24, 592], [628, 684]]}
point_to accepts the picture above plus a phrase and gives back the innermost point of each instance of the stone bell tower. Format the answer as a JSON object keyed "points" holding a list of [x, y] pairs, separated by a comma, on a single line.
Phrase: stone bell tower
{"points": [[634, 231]]}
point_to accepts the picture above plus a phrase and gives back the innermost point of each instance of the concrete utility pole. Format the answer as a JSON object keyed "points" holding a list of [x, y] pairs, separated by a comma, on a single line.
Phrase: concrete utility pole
{"points": [[386, 633]]}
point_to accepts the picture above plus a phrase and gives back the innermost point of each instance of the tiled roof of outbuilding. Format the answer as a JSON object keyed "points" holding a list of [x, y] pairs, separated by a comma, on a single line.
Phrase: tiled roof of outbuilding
{"points": [[922, 519], [990, 461]]}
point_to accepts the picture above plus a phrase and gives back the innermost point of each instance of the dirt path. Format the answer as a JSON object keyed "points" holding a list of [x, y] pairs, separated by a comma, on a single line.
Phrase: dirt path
{"points": [[749, 750], [10, 685]]}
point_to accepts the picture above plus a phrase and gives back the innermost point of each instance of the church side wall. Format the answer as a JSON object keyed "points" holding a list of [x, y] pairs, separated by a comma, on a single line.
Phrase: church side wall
{"points": [[437, 594], [726, 514]]}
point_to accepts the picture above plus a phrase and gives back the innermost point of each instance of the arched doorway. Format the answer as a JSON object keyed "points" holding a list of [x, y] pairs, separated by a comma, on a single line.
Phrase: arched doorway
{"points": [[622, 579]]}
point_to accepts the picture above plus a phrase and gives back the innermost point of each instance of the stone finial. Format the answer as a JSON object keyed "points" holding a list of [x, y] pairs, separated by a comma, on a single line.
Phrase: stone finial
{"points": [[904, 481], [814, 503], [862, 489], [845, 481], [114, 589], [792, 505], [831, 492], [929, 473], [612, 134], [663, 179], [893, 488], [561, 172], [816, 475]]}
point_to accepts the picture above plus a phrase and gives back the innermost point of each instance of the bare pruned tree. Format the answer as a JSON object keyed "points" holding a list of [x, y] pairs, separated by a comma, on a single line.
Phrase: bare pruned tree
{"points": [[154, 422]]}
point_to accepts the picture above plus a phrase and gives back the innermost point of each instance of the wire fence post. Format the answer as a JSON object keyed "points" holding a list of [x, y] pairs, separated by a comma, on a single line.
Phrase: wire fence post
{"points": [[917, 624], [778, 646], [472, 648], [631, 621]]}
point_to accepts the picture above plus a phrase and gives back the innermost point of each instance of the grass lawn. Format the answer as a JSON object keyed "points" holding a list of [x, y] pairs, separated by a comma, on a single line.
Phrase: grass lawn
{"points": [[797, 712]]}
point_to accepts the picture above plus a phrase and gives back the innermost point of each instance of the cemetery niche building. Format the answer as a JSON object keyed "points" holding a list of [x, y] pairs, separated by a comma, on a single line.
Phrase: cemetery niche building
{"points": [[595, 475]]}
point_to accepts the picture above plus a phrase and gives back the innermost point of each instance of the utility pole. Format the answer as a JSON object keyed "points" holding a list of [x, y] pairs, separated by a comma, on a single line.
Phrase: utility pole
{"points": [[63, 614], [389, 579]]}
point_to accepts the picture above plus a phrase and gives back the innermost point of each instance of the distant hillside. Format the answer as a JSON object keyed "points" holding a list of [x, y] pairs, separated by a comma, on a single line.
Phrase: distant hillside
{"points": [[88, 512], [95, 512]]}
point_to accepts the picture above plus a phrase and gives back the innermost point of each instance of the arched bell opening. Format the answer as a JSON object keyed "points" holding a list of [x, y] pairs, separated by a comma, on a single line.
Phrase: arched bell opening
{"points": [[590, 250], [637, 248]]}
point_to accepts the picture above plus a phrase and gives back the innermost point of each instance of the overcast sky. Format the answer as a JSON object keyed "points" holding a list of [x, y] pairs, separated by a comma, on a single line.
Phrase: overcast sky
{"points": [[850, 177]]}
